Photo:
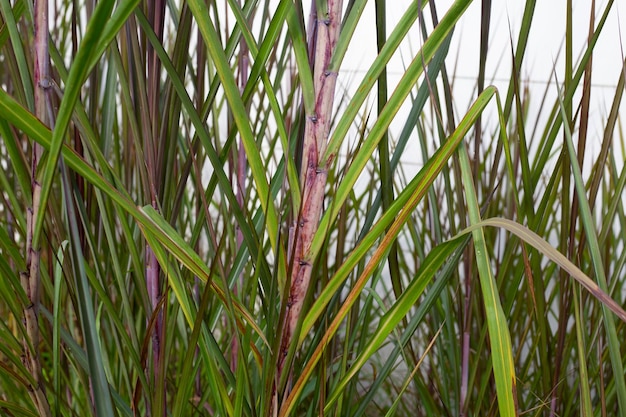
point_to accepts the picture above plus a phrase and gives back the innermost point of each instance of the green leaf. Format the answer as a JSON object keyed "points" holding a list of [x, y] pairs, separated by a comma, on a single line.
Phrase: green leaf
{"points": [[212, 40], [500, 339], [90, 49], [390, 320], [432, 44]]}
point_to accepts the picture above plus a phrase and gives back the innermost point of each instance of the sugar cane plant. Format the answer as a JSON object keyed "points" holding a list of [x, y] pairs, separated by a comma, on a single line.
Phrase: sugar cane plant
{"points": [[200, 218]]}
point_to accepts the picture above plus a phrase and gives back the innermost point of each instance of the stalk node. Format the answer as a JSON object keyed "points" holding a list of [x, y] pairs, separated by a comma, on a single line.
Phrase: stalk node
{"points": [[45, 83]]}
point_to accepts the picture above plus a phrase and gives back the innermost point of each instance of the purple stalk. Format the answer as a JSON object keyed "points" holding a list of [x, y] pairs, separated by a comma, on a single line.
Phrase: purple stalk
{"points": [[31, 278], [153, 149], [313, 172]]}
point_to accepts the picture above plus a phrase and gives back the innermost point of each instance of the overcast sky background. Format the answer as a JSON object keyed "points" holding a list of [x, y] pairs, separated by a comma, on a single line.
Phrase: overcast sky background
{"points": [[545, 47]]}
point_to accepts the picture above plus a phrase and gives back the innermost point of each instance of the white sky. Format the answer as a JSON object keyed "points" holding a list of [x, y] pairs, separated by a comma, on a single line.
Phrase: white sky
{"points": [[545, 46], [546, 43]]}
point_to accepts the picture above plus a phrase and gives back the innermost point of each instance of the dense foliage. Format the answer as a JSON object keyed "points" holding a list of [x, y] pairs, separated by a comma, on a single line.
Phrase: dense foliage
{"points": [[199, 219]]}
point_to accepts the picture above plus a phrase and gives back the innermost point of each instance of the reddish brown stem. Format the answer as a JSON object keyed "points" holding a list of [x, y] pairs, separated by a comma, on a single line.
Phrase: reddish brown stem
{"points": [[153, 145], [31, 278], [313, 172]]}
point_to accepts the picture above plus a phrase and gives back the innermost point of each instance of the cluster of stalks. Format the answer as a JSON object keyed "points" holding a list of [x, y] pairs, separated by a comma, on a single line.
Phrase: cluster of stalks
{"points": [[197, 218]]}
